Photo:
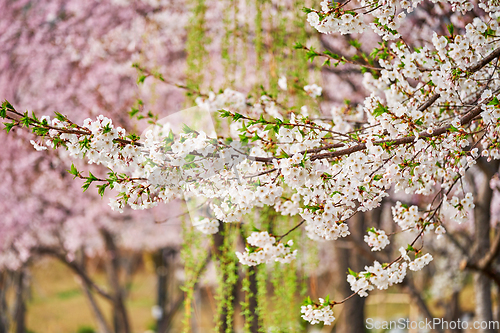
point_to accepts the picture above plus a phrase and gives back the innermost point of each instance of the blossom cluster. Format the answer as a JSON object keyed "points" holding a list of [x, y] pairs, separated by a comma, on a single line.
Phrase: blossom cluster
{"points": [[266, 250], [383, 276], [406, 217], [314, 313], [458, 209], [313, 90], [207, 226], [376, 239]]}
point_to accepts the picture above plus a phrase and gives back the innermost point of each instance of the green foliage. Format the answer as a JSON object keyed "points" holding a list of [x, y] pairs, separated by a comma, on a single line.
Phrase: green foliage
{"points": [[451, 29], [195, 45], [86, 329], [193, 257], [379, 110], [227, 276], [73, 171]]}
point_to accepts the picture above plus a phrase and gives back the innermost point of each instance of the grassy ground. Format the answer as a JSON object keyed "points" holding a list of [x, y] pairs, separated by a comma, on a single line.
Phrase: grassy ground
{"points": [[58, 304]]}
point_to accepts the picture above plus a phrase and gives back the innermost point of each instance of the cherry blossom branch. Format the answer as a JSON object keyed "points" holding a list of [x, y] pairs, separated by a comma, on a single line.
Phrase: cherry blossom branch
{"points": [[289, 231]]}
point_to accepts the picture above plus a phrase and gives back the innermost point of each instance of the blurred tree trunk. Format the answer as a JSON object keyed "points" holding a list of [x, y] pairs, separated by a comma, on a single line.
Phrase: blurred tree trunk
{"points": [[20, 301], [482, 230], [101, 321], [453, 312], [163, 261], [352, 316], [4, 310], [120, 316], [419, 301]]}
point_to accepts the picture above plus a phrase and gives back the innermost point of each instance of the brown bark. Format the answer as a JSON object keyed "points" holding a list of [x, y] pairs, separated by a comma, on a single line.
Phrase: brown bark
{"points": [[4, 319], [20, 302], [481, 246], [120, 315], [419, 302], [163, 262], [102, 325], [352, 316]]}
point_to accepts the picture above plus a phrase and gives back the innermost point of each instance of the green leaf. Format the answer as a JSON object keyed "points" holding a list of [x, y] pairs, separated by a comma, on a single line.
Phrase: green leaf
{"points": [[269, 127], [225, 113], [9, 126], [86, 186], [101, 189], [133, 112], [5, 107], [60, 116], [73, 171], [186, 129], [353, 273], [298, 46], [355, 43], [283, 154], [40, 131], [410, 248], [377, 177], [141, 79], [379, 110], [311, 54], [332, 55], [494, 101], [450, 28], [91, 177], [133, 137]]}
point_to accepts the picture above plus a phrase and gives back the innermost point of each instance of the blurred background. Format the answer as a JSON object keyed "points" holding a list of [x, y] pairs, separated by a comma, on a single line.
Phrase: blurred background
{"points": [[68, 263]]}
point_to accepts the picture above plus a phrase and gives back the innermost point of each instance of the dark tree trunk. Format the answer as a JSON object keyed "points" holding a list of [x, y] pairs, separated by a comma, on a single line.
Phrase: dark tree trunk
{"points": [[453, 312], [352, 317], [99, 316], [20, 303], [4, 319], [482, 229], [163, 262], [120, 316]]}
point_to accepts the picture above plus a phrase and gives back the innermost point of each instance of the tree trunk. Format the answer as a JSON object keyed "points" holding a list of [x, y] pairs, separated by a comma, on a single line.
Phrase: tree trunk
{"points": [[453, 312], [4, 311], [482, 229], [163, 259], [352, 317], [102, 325], [20, 303], [419, 301], [120, 316]]}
